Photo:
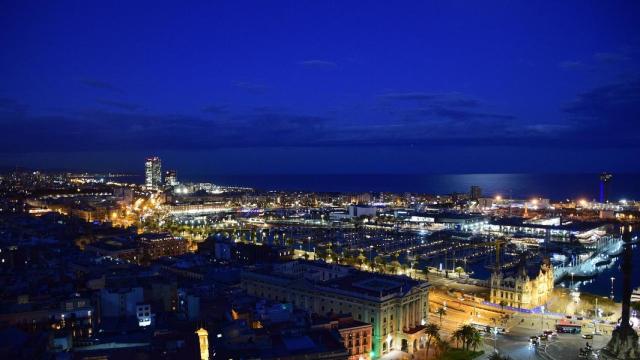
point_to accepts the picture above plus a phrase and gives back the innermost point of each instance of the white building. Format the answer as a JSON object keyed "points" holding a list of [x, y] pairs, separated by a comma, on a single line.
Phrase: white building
{"points": [[153, 173]]}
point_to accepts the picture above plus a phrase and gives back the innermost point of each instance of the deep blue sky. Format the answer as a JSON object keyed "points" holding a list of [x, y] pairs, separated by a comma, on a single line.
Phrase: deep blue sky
{"points": [[321, 86]]}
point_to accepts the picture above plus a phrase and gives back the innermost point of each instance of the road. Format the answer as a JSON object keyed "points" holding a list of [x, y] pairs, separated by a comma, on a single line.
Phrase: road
{"points": [[520, 327]]}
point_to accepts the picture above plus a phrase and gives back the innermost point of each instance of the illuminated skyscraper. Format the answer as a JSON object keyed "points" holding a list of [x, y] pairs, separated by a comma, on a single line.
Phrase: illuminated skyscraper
{"points": [[153, 173], [605, 186]]}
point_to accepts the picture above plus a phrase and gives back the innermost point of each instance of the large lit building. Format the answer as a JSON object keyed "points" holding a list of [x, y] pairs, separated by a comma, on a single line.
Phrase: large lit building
{"points": [[153, 173], [154, 246], [396, 307], [526, 288], [171, 178]]}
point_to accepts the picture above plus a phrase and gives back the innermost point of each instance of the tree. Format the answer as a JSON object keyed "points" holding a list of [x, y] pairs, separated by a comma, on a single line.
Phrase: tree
{"points": [[381, 263], [502, 304], [395, 264], [432, 332], [441, 312], [465, 335], [441, 346], [361, 259], [475, 340], [457, 336], [468, 334]]}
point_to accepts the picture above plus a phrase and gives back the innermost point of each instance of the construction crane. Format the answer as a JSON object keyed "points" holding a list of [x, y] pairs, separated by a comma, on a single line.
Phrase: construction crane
{"points": [[498, 242]]}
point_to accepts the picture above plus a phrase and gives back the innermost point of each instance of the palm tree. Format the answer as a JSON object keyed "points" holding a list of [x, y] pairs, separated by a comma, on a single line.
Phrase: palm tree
{"points": [[441, 312], [441, 346], [469, 333], [381, 262], [395, 264], [432, 332], [464, 334], [361, 259], [457, 336], [475, 340], [502, 304]]}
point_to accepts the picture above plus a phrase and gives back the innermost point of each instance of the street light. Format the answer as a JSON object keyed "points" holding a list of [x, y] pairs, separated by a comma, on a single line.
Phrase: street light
{"points": [[572, 280], [611, 296], [495, 338], [542, 319]]}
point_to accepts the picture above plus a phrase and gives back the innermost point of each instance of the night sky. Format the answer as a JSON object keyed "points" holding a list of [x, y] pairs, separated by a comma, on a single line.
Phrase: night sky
{"points": [[250, 87]]}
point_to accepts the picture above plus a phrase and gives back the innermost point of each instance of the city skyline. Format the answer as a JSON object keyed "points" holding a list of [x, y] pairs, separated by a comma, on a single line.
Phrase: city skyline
{"points": [[421, 88], [320, 180]]}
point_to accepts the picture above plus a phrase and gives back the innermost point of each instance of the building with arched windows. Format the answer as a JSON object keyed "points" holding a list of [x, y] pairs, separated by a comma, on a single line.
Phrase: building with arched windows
{"points": [[526, 288]]}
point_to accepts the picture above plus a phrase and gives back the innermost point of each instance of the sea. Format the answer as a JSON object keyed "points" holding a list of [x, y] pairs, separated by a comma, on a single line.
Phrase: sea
{"points": [[553, 186]]}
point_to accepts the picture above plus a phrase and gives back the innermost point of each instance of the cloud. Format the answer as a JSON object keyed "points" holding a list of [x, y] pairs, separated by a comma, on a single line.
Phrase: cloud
{"points": [[412, 96], [445, 99], [573, 65], [119, 105], [101, 85], [215, 109], [605, 116], [610, 57], [250, 87], [318, 64], [608, 110], [11, 105], [112, 130], [441, 106], [463, 115]]}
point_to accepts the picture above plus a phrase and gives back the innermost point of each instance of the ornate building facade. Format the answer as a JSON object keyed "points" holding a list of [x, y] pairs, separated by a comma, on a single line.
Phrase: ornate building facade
{"points": [[525, 288]]}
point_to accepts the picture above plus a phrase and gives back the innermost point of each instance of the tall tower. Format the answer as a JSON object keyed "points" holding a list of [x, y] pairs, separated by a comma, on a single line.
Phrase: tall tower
{"points": [[153, 173], [475, 192], [605, 186], [203, 337]]}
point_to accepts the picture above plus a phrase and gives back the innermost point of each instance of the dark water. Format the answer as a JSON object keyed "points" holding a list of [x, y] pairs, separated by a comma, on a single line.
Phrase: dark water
{"points": [[601, 284], [554, 186]]}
